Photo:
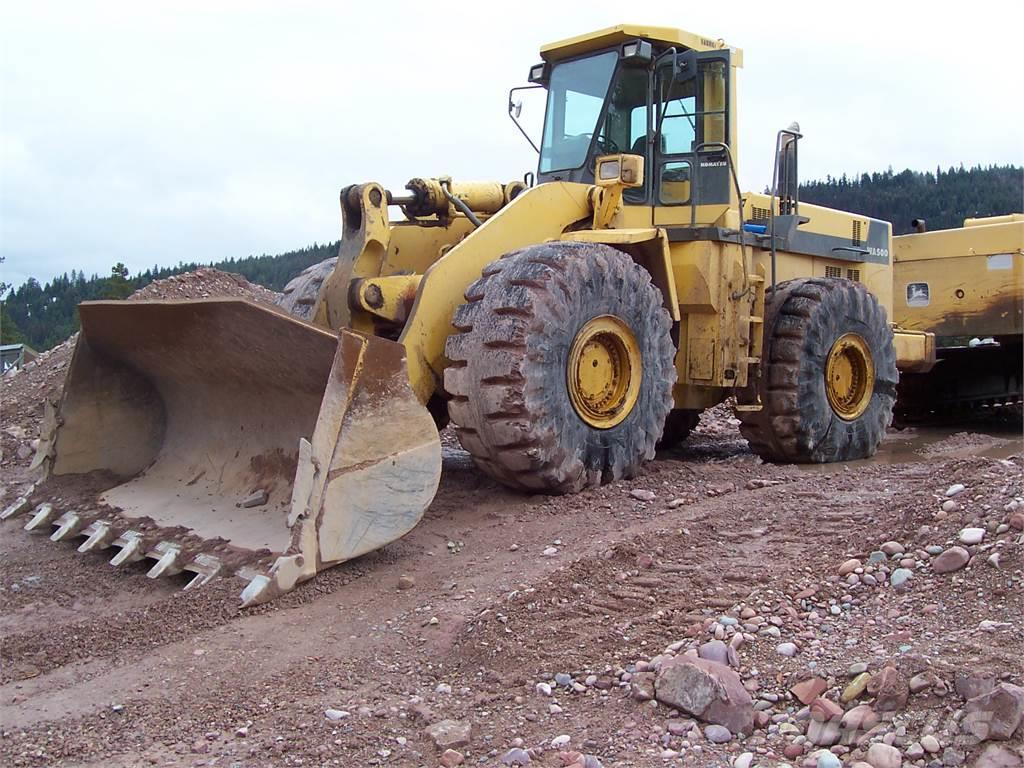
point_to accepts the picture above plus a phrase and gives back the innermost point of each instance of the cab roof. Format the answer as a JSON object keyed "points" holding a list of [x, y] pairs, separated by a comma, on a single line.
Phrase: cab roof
{"points": [[622, 33]]}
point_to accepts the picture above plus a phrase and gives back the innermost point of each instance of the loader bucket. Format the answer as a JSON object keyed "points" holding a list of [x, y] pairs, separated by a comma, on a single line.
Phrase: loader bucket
{"points": [[221, 437]]}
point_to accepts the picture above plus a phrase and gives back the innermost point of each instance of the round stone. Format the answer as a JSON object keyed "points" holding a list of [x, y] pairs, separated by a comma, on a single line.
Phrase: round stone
{"points": [[900, 577], [953, 559], [849, 566], [884, 756], [786, 649], [717, 734], [972, 536]]}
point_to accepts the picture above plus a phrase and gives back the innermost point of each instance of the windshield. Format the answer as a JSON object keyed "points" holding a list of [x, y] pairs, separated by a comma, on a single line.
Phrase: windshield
{"points": [[576, 94]]}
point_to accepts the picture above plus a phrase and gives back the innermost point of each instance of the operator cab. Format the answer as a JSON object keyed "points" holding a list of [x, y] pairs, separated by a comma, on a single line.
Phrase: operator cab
{"points": [[644, 92]]}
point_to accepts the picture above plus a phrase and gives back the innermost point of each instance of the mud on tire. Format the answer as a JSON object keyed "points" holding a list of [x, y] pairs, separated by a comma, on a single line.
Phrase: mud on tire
{"points": [[507, 380], [300, 295], [803, 319]]}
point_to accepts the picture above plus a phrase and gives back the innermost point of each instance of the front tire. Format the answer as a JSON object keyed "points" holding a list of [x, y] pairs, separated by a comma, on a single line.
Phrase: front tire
{"points": [[828, 379], [300, 295], [562, 367]]}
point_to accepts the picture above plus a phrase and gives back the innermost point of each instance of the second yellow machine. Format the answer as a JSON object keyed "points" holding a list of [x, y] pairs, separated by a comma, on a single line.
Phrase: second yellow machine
{"points": [[565, 327]]}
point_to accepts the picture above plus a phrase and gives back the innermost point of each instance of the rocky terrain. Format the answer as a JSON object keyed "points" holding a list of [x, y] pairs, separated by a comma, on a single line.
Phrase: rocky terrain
{"points": [[714, 611]]}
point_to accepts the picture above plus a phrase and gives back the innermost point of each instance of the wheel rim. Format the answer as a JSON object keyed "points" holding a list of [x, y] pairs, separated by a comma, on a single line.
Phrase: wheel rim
{"points": [[849, 376], [604, 372]]}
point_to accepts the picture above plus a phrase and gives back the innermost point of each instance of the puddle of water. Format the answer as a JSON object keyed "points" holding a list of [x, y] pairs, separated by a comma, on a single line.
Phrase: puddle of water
{"points": [[918, 444]]}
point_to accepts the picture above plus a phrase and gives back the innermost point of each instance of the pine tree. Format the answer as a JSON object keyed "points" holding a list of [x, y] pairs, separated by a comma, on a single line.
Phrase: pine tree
{"points": [[117, 285]]}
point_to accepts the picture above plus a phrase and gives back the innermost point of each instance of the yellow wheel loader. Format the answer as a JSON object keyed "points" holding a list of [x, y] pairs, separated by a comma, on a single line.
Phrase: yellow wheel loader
{"points": [[565, 326], [966, 286]]}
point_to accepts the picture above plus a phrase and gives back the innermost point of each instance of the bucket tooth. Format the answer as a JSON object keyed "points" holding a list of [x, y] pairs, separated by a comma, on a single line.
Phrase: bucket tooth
{"points": [[99, 535], [19, 506], [44, 513], [253, 592], [68, 525], [205, 567], [166, 555], [130, 543]]}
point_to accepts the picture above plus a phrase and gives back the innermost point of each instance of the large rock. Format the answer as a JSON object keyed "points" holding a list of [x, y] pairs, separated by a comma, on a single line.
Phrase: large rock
{"points": [[884, 756], [515, 757], [998, 756], [808, 690], [971, 684], [823, 733], [707, 690], [889, 688], [860, 719], [824, 710], [449, 734], [996, 714], [953, 559], [714, 650]]}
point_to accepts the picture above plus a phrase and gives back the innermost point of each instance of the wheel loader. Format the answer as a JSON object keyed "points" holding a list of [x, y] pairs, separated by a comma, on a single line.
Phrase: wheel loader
{"points": [[564, 326], [966, 286]]}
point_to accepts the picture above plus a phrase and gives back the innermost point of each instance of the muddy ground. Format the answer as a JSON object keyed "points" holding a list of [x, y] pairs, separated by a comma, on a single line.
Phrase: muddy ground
{"points": [[530, 619]]}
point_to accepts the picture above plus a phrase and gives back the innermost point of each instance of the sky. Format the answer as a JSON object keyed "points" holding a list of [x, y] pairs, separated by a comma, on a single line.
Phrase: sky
{"points": [[158, 132]]}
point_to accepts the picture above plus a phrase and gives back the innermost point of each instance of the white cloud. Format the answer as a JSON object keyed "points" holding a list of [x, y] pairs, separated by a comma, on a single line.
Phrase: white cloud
{"points": [[165, 131]]}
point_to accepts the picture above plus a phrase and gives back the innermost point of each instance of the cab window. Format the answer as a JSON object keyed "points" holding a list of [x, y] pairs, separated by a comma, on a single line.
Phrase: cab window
{"points": [[576, 96]]}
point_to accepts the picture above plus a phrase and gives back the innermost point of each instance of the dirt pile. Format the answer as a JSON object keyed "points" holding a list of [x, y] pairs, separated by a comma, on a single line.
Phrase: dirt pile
{"points": [[23, 392], [205, 283]]}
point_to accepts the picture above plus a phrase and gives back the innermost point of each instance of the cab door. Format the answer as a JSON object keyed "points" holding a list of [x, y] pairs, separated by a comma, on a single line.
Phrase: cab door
{"points": [[690, 175]]}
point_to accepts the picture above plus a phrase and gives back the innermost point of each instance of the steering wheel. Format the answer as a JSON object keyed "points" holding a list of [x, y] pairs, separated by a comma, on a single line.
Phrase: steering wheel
{"points": [[603, 143]]}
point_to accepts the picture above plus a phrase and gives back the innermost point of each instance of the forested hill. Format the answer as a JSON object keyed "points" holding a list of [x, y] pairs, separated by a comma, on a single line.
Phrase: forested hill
{"points": [[944, 198], [44, 316]]}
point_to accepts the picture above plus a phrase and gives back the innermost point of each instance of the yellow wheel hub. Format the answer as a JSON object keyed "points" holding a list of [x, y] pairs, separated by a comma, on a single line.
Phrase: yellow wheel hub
{"points": [[604, 372], [849, 376]]}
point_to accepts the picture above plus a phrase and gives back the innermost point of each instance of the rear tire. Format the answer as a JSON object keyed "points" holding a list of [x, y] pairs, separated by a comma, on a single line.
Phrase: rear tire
{"points": [[300, 295], [818, 328], [518, 337]]}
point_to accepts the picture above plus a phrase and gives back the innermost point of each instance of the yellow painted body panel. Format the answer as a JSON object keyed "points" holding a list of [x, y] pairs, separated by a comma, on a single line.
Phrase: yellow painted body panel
{"points": [[985, 221], [649, 247], [714, 331], [876, 277], [630, 236], [623, 33], [915, 350], [965, 282], [413, 247]]}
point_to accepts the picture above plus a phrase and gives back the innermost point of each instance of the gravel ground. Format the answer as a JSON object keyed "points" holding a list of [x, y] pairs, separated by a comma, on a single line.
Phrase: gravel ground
{"points": [[847, 612]]}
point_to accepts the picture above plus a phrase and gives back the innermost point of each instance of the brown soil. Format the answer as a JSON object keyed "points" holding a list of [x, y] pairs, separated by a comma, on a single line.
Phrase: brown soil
{"points": [[100, 666]]}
